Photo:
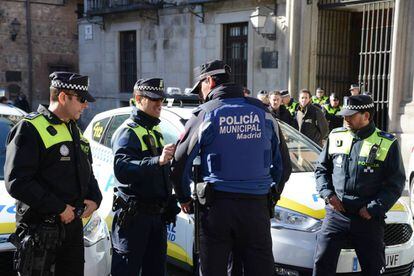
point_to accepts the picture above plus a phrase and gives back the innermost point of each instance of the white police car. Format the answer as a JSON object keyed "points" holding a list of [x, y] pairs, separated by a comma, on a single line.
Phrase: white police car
{"points": [[298, 214], [96, 234]]}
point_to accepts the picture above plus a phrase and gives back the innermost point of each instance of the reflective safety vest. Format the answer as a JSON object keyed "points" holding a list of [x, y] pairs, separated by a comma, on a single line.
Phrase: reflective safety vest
{"points": [[141, 132], [340, 142], [332, 110], [50, 134], [320, 101], [292, 107]]}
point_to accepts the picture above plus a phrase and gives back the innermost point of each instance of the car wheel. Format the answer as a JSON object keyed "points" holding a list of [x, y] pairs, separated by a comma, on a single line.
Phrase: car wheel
{"points": [[412, 195]]}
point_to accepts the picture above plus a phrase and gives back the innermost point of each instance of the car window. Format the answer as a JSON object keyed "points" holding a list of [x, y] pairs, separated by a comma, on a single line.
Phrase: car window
{"points": [[116, 121], [6, 123], [303, 154], [98, 129], [169, 131]]}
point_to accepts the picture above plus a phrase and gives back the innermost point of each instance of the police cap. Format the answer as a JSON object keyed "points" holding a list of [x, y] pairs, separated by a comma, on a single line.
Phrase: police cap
{"points": [[211, 68], [284, 93], [353, 86], [356, 104], [151, 88], [71, 81]]}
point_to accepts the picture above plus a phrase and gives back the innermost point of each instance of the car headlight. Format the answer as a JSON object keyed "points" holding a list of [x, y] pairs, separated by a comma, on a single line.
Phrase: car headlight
{"points": [[285, 218], [94, 231]]}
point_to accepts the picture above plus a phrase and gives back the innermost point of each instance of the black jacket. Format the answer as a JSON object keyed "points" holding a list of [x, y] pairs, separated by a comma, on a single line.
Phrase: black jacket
{"points": [[314, 124], [355, 181], [138, 172], [284, 115], [46, 179]]}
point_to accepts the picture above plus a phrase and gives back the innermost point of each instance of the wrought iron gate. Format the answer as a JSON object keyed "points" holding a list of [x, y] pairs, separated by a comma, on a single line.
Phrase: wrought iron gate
{"points": [[354, 46], [375, 55]]}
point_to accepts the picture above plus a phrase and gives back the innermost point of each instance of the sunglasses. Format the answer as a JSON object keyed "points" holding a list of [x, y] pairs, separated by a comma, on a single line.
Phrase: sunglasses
{"points": [[80, 99], [154, 99]]}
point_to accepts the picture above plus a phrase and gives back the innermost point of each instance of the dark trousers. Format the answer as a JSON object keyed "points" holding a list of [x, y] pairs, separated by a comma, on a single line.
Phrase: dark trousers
{"points": [[141, 246], [70, 257], [235, 223], [367, 237]]}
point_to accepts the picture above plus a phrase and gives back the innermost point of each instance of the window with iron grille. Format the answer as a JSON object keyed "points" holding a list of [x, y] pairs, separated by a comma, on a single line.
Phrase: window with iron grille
{"points": [[235, 51], [128, 61]]}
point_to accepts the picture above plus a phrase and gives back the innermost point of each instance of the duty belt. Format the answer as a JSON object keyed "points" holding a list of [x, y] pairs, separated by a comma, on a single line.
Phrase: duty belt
{"points": [[139, 206]]}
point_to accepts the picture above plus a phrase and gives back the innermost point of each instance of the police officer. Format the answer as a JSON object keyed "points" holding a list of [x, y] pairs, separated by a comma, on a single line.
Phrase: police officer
{"points": [[331, 110], [360, 175], [289, 102], [319, 99], [240, 158], [141, 167], [48, 170]]}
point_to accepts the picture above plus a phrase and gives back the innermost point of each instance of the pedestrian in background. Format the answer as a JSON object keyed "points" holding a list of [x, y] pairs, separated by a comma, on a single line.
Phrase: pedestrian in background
{"points": [[143, 189], [239, 163], [360, 175], [310, 119], [48, 170]]}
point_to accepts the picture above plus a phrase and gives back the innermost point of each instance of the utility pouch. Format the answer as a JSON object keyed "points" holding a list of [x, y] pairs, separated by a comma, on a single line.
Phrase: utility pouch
{"points": [[205, 193]]}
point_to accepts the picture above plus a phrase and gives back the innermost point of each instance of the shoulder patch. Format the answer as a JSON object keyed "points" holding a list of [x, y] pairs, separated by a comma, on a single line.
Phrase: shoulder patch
{"points": [[386, 135], [32, 115], [339, 129], [132, 124]]}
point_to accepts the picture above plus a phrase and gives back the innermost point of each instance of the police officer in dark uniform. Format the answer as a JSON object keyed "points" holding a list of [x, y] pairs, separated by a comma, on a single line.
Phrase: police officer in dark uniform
{"points": [[48, 170], [238, 142], [141, 167], [360, 175], [331, 111]]}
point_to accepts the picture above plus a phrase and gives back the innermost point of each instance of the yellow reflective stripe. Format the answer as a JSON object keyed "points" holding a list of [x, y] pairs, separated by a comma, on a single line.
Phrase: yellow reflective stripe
{"points": [[384, 144], [340, 142], [300, 208], [398, 207], [7, 228], [41, 124], [140, 132], [177, 252]]}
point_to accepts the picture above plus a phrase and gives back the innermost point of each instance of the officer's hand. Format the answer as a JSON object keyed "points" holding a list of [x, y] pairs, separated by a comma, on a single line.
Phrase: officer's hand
{"points": [[67, 215], [186, 207], [167, 154], [90, 207], [336, 203], [363, 212]]}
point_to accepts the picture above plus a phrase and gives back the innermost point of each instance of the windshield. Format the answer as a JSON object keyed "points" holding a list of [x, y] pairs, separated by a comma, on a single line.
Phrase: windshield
{"points": [[303, 153], [6, 123]]}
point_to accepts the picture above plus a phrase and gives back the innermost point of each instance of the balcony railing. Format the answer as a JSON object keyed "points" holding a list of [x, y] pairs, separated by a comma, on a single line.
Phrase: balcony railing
{"points": [[99, 7]]}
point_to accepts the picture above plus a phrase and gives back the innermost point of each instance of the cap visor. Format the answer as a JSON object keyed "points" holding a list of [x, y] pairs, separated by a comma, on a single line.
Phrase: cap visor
{"points": [[152, 95], [347, 112], [89, 98], [196, 88]]}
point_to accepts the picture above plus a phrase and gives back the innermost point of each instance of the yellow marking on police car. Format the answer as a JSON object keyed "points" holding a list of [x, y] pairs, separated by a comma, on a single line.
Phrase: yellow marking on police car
{"points": [[300, 208], [7, 228], [177, 252], [398, 207]]}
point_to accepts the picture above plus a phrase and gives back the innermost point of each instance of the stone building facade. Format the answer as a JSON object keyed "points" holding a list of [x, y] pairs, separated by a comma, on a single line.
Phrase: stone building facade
{"points": [[328, 43], [50, 43]]}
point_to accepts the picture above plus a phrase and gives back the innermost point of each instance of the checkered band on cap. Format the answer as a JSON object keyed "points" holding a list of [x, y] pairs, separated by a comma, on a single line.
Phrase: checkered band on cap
{"points": [[148, 88], [59, 84], [359, 107]]}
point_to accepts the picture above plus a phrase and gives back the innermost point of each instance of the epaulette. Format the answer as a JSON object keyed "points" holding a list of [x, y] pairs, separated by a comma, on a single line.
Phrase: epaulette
{"points": [[339, 129], [132, 124], [386, 135], [32, 115]]}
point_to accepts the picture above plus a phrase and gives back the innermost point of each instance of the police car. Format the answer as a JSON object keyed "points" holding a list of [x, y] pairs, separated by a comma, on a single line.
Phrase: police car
{"points": [[96, 234], [299, 213]]}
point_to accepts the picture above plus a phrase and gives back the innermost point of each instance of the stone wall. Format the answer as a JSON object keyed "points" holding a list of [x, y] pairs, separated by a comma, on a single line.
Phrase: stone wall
{"points": [[54, 43]]}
